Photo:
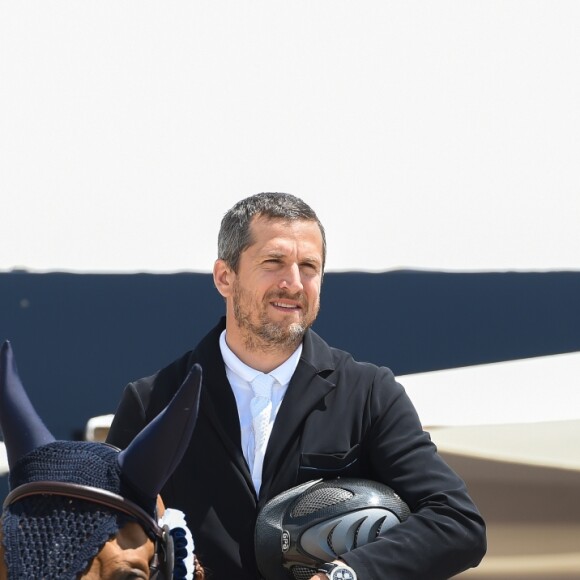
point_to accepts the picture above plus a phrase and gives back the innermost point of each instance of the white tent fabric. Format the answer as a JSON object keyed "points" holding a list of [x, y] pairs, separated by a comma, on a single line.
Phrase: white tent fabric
{"points": [[540, 389], [426, 135]]}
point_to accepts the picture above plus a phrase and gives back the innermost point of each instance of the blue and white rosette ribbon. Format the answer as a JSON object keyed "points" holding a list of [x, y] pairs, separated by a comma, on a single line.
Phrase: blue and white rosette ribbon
{"points": [[184, 567]]}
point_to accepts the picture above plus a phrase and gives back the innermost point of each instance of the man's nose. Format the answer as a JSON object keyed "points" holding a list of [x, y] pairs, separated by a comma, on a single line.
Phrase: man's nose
{"points": [[291, 278]]}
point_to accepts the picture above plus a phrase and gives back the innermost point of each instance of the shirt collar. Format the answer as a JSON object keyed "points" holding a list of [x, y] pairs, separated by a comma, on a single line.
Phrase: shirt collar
{"points": [[282, 374]]}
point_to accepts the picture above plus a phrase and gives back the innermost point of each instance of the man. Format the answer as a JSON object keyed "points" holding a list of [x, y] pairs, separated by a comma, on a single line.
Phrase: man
{"points": [[327, 415]]}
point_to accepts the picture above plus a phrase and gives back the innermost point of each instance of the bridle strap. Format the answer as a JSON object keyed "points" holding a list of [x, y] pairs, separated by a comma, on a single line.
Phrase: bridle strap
{"points": [[88, 493]]}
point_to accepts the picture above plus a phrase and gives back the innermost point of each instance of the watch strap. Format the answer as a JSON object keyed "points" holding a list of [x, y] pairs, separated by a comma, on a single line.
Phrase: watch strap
{"points": [[337, 571]]}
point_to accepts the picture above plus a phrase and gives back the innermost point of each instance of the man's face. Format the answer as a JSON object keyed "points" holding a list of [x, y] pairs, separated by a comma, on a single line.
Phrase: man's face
{"points": [[276, 292]]}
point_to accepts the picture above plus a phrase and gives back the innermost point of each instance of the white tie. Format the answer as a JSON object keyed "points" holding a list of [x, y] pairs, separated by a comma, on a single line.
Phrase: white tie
{"points": [[261, 408]]}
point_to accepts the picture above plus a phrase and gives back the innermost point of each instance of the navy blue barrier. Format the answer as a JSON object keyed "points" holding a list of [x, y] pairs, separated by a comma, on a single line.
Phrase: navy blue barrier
{"points": [[79, 338]]}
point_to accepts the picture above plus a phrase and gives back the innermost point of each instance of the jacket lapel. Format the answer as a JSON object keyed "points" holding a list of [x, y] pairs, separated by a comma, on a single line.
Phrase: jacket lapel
{"points": [[307, 389], [218, 403]]}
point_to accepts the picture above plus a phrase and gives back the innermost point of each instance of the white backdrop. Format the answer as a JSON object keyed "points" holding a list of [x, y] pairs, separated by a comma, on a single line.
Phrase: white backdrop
{"points": [[440, 135]]}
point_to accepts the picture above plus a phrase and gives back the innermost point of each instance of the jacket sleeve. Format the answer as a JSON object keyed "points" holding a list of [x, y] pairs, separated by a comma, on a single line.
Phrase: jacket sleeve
{"points": [[445, 534]]}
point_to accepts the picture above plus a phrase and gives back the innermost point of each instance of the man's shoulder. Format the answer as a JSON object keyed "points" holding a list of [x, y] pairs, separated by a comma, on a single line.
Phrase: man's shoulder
{"points": [[333, 359], [174, 370], [174, 373]]}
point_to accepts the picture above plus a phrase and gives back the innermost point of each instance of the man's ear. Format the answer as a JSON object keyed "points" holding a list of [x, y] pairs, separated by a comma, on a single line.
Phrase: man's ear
{"points": [[223, 278]]}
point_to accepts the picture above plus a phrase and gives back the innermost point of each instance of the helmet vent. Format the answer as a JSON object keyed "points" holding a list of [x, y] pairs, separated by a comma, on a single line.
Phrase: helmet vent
{"points": [[302, 572], [379, 526], [319, 499], [329, 541]]}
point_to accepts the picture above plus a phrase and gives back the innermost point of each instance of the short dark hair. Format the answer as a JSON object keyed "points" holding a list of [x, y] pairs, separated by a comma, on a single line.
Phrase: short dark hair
{"points": [[234, 235]]}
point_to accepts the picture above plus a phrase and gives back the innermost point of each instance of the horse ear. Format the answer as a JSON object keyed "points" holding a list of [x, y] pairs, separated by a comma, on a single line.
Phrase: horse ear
{"points": [[22, 428], [152, 456]]}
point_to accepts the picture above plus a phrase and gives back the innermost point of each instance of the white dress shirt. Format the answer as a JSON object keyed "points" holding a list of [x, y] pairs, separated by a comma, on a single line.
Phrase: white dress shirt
{"points": [[240, 375]]}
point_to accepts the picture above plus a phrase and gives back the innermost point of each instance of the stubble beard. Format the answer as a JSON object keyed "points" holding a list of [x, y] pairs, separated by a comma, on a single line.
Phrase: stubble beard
{"points": [[264, 334]]}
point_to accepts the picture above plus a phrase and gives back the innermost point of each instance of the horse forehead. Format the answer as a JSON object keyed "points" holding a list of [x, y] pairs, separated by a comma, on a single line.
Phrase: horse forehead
{"points": [[130, 549]]}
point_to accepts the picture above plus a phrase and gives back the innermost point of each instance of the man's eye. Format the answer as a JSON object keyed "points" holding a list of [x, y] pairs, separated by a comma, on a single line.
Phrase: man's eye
{"points": [[312, 268]]}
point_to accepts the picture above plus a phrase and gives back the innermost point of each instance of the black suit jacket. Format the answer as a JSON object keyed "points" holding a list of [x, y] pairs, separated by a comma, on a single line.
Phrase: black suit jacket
{"points": [[339, 417]]}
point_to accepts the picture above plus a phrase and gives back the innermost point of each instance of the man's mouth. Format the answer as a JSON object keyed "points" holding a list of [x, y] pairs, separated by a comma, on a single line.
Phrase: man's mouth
{"points": [[286, 306]]}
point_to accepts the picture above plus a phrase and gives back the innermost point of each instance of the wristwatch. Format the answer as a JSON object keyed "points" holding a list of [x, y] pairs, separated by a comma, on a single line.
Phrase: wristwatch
{"points": [[337, 571]]}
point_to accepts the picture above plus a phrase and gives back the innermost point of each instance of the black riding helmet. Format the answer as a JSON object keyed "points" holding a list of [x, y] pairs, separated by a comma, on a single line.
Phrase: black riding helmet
{"points": [[318, 521]]}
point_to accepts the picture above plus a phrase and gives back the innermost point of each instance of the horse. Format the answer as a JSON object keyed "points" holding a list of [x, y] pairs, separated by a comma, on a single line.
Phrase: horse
{"points": [[86, 510]]}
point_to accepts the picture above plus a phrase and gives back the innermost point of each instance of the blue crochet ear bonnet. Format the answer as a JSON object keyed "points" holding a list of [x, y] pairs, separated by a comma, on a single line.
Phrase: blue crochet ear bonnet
{"points": [[50, 536], [55, 536]]}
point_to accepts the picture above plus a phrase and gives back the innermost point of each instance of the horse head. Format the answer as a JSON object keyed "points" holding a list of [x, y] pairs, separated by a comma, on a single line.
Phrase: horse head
{"points": [[81, 509]]}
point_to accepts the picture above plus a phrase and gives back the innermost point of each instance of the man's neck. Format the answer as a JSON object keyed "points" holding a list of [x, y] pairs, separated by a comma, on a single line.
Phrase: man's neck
{"points": [[263, 358]]}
